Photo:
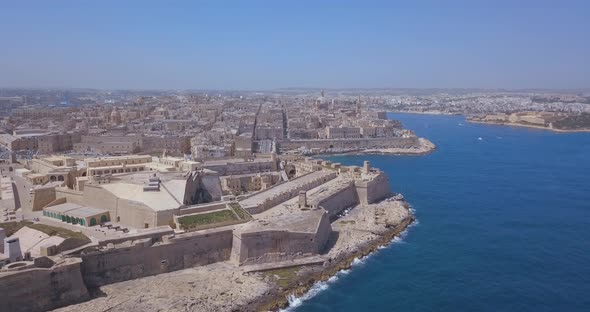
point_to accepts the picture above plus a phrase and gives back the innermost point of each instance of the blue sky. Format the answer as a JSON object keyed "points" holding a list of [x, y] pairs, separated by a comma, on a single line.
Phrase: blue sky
{"points": [[274, 44]]}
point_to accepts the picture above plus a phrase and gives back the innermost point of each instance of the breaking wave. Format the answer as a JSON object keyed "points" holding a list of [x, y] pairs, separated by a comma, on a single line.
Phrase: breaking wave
{"points": [[318, 287]]}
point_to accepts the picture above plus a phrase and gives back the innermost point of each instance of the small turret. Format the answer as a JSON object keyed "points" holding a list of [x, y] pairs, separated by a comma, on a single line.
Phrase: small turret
{"points": [[366, 167]]}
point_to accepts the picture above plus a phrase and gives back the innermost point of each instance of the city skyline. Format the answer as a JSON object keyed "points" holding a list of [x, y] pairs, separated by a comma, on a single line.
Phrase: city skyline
{"points": [[265, 45]]}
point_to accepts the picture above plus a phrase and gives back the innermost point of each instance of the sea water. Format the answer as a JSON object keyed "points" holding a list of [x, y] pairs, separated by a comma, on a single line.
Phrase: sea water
{"points": [[503, 225]]}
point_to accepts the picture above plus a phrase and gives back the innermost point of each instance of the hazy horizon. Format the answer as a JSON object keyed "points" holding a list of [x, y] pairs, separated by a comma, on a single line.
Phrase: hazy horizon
{"points": [[260, 45]]}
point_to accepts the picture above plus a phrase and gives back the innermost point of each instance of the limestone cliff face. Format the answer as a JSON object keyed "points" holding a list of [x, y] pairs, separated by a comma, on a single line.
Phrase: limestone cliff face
{"points": [[42, 289]]}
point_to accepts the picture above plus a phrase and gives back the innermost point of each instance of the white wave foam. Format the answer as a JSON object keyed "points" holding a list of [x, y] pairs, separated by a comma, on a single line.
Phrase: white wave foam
{"points": [[357, 261], [397, 240], [318, 287]]}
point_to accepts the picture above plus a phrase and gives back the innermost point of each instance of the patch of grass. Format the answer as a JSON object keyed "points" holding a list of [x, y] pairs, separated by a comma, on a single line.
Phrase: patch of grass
{"points": [[237, 208], [72, 239], [57, 231], [581, 121], [193, 221], [286, 276], [11, 227]]}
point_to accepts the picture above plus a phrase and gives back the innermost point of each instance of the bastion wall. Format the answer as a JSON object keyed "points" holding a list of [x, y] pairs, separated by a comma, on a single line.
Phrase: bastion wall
{"points": [[41, 197], [373, 190], [289, 193], [71, 196], [142, 258], [339, 201], [278, 245], [42, 289], [240, 167], [351, 143]]}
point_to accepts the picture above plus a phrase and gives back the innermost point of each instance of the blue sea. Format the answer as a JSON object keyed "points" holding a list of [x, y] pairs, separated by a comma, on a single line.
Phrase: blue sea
{"points": [[503, 225]]}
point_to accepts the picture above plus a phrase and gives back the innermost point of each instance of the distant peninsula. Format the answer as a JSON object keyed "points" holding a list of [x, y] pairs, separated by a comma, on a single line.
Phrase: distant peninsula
{"points": [[560, 122]]}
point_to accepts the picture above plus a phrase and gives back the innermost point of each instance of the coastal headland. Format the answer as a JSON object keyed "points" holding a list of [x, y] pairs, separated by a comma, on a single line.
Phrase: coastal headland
{"points": [[245, 252], [409, 145], [554, 121]]}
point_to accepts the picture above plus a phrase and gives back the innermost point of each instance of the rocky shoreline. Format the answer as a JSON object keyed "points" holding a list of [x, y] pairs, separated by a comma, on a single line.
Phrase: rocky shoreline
{"points": [[223, 286], [426, 147], [526, 126], [278, 298]]}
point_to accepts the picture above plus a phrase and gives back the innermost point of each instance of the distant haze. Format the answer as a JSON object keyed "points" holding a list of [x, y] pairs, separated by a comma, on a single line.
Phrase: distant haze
{"points": [[279, 44]]}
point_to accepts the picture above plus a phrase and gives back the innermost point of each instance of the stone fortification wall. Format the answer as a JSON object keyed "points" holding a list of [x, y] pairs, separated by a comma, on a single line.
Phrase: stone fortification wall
{"points": [[236, 168], [201, 188], [283, 192], [71, 196], [201, 208], [41, 197], [351, 144], [279, 245], [339, 200], [154, 236], [373, 190], [144, 259], [212, 185], [42, 289]]}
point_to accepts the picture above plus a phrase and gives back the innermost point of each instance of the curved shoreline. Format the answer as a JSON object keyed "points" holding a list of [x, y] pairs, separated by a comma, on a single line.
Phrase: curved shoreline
{"points": [[526, 126], [426, 147], [279, 297]]}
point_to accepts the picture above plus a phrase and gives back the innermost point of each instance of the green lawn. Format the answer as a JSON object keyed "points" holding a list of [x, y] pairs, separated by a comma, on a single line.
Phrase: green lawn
{"points": [[11, 227], [283, 277], [57, 231], [194, 221], [242, 214]]}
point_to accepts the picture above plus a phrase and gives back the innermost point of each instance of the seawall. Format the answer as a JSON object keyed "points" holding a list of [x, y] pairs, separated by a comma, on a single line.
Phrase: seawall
{"points": [[278, 298]]}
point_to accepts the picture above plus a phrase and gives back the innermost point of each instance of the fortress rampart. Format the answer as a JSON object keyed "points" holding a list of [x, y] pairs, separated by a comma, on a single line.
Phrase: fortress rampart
{"points": [[373, 190], [279, 194], [302, 234], [337, 199], [142, 258], [41, 289], [351, 144]]}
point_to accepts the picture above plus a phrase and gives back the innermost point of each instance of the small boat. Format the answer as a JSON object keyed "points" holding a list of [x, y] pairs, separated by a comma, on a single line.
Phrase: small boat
{"points": [[479, 139]]}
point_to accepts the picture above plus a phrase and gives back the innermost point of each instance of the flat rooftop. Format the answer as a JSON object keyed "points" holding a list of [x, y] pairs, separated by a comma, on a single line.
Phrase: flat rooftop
{"points": [[75, 210], [143, 177], [296, 221], [233, 161], [156, 200]]}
